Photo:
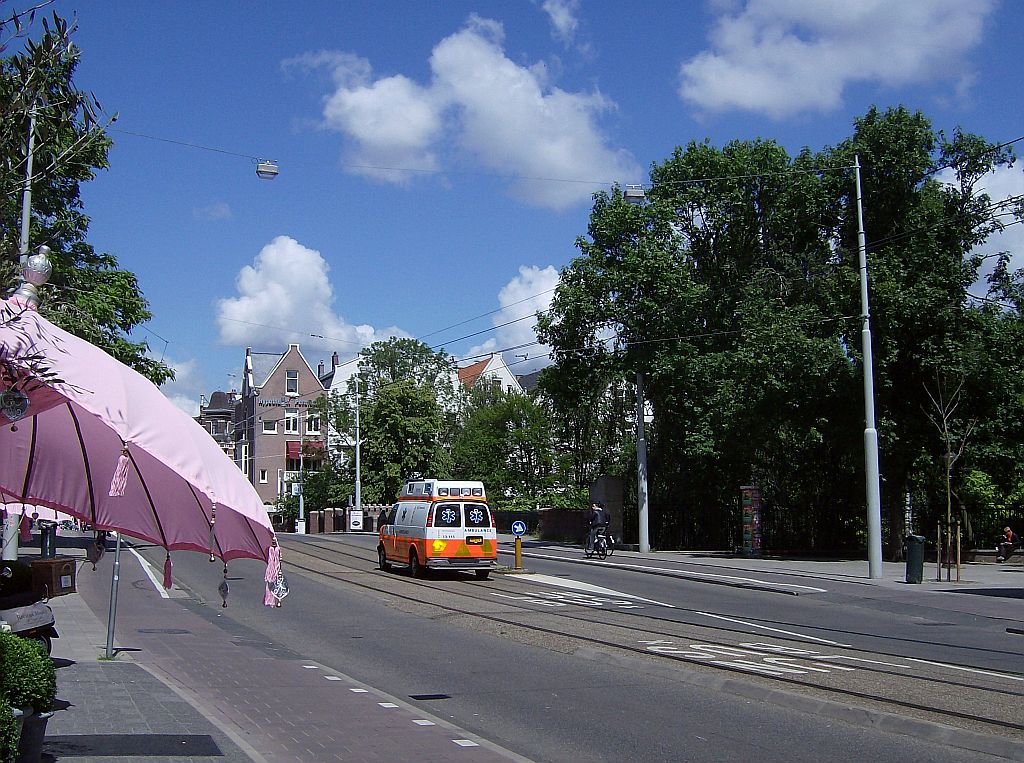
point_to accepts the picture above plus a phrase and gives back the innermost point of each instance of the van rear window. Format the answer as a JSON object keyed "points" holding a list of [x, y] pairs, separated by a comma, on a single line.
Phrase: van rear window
{"points": [[477, 515], [448, 515]]}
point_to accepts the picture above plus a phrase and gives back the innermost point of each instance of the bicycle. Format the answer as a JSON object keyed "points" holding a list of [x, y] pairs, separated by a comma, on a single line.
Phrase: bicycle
{"points": [[604, 545]]}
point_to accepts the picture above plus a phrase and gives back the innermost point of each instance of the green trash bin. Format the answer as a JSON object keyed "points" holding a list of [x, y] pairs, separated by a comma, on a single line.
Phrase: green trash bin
{"points": [[915, 558]]}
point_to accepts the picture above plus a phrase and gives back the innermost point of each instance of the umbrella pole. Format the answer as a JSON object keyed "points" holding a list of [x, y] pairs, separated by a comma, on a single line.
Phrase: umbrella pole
{"points": [[12, 528], [113, 598]]}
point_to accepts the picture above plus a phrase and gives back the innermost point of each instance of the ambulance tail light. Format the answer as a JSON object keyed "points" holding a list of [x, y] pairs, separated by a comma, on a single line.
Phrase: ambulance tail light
{"points": [[494, 522], [430, 517]]}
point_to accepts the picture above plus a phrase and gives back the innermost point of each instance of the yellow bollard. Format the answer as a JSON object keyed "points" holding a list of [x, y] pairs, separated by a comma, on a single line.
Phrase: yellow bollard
{"points": [[519, 553]]}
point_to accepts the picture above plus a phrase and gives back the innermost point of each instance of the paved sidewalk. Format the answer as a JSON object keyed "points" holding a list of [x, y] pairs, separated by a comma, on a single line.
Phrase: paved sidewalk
{"points": [[185, 690]]}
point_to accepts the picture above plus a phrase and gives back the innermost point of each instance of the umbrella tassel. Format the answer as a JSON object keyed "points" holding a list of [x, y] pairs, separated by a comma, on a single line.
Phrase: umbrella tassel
{"points": [[213, 539], [120, 479], [273, 571], [167, 572]]}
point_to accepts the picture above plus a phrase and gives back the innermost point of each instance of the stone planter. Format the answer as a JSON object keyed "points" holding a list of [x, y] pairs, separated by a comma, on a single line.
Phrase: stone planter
{"points": [[33, 731]]}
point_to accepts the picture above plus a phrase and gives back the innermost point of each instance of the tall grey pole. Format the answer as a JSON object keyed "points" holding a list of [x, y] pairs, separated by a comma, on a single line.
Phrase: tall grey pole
{"points": [[641, 466], [359, 500], [302, 481], [871, 472], [112, 614], [26, 194]]}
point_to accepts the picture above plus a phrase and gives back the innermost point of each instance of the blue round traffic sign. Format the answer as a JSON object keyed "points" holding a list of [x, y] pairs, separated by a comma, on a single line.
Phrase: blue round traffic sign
{"points": [[518, 528]]}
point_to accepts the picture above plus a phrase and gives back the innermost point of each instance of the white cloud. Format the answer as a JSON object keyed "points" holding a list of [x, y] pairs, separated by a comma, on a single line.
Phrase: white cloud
{"points": [[187, 386], [782, 57], [562, 14], [285, 297], [219, 210], [482, 105], [521, 299], [1004, 183]]}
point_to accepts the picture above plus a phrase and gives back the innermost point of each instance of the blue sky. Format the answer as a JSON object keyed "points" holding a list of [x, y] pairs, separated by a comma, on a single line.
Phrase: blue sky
{"points": [[437, 158]]}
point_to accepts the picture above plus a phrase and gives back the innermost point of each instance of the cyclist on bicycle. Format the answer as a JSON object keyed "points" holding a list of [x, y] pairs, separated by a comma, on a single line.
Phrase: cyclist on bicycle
{"points": [[599, 521]]}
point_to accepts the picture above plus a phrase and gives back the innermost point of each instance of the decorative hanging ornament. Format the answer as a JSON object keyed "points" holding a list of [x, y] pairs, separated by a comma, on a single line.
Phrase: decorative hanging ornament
{"points": [[96, 549], [13, 404], [224, 589], [120, 479]]}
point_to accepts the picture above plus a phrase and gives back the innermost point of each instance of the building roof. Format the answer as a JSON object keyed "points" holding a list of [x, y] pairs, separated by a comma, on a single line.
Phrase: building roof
{"points": [[469, 374], [263, 365], [529, 381], [220, 401]]}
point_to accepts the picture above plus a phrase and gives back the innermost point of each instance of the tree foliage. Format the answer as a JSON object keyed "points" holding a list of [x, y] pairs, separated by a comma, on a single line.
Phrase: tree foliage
{"points": [[735, 291], [505, 442], [88, 293]]}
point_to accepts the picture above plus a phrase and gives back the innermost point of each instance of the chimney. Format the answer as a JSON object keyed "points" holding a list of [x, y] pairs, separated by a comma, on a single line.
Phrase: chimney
{"points": [[334, 360], [320, 369]]}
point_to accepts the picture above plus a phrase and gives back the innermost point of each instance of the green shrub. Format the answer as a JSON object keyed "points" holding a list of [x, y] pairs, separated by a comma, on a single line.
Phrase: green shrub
{"points": [[27, 675], [8, 735]]}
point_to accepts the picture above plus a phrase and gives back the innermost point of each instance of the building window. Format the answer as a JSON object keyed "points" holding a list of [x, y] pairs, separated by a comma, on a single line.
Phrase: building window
{"points": [[263, 476], [291, 421], [312, 423], [291, 382], [269, 427]]}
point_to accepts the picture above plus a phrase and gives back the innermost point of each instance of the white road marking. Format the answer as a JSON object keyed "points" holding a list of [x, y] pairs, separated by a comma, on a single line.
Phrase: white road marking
{"points": [[590, 588], [687, 574], [387, 704], [775, 630], [151, 574], [310, 667], [333, 678], [424, 722], [465, 743], [360, 691], [967, 670], [861, 659], [779, 660]]}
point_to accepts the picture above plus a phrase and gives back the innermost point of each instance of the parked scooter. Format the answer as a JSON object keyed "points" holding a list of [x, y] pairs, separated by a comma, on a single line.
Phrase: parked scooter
{"points": [[25, 611]]}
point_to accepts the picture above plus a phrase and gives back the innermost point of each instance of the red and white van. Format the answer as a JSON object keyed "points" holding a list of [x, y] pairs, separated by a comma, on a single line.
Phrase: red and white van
{"points": [[440, 525]]}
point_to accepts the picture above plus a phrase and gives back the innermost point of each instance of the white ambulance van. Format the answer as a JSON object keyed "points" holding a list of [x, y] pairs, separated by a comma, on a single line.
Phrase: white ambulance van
{"points": [[440, 525]]}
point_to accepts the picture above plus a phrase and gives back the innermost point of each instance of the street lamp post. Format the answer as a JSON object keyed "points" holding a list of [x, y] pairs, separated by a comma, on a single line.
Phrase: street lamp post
{"points": [[359, 500], [301, 525], [871, 470], [635, 195]]}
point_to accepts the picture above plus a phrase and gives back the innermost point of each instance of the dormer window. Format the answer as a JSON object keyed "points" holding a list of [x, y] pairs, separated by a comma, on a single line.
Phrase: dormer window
{"points": [[291, 383]]}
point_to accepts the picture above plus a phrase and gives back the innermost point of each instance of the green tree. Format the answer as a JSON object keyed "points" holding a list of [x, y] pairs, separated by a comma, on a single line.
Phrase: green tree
{"points": [[923, 236], [88, 294], [505, 442], [403, 424], [734, 290]]}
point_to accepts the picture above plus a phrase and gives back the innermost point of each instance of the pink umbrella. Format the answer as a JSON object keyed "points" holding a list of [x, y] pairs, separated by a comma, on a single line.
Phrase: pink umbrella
{"points": [[102, 443]]}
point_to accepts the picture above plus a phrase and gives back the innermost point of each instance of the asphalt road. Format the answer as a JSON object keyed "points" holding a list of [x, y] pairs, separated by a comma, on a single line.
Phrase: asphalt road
{"points": [[637, 666]]}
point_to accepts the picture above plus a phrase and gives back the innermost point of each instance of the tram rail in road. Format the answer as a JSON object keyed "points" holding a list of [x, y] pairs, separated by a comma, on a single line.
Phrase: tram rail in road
{"points": [[689, 643]]}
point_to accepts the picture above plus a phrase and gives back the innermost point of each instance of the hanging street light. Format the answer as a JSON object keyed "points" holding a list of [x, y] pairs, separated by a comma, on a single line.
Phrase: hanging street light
{"points": [[266, 169]]}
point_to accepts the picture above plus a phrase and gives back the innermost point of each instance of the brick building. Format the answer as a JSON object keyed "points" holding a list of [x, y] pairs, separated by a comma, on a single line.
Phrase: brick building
{"points": [[277, 432]]}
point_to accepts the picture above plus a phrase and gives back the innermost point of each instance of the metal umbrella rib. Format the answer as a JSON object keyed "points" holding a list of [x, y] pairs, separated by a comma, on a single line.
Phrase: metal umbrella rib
{"points": [[85, 462]]}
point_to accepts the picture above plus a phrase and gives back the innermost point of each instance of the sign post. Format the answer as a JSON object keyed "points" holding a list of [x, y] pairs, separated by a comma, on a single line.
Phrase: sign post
{"points": [[519, 529]]}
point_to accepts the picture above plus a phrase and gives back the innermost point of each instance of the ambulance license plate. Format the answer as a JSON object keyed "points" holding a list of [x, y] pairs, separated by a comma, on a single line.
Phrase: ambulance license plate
{"points": [[474, 540]]}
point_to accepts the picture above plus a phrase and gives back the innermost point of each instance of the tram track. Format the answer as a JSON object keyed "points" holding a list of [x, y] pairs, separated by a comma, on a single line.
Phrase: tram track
{"points": [[615, 627]]}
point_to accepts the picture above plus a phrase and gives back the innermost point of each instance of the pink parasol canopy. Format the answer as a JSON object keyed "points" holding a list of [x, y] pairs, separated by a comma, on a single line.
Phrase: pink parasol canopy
{"points": [[63, 450]]}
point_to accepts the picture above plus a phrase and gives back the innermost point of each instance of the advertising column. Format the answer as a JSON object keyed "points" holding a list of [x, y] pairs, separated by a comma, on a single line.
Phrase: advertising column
{"points": [[751, 520]]}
